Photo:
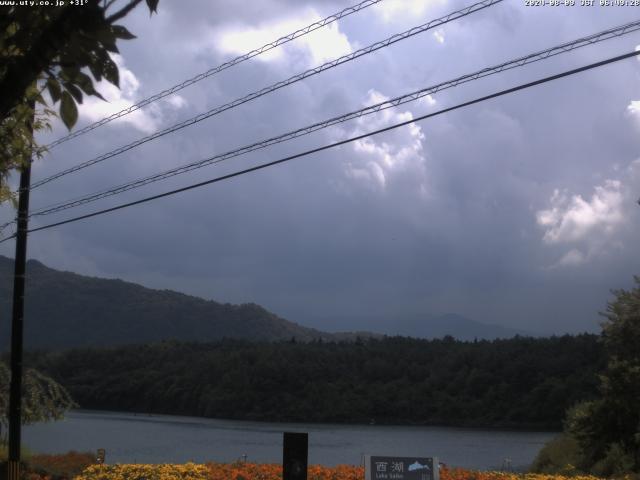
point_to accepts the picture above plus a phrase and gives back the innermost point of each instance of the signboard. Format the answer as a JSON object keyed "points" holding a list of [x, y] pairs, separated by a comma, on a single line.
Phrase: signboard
{"points": [[400, 468], [100, 455], [295, 450]]}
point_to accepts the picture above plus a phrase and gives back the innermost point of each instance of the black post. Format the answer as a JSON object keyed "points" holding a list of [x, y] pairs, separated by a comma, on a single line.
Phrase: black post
{"points": [[294, 456], [15, 393]]}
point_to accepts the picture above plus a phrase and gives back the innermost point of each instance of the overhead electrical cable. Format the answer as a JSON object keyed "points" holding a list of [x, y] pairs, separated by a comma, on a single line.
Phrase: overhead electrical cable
{"points": [[518, 62], [341, 142], [276, 86], [253, 53]]}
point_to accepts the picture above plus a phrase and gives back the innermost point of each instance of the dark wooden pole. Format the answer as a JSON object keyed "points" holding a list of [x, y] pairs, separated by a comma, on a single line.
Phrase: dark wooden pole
{"points": [[17, 323]]}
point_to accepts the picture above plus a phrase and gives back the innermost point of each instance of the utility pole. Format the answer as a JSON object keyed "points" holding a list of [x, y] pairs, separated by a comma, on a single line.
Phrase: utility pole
{"points": [[17, 320]]}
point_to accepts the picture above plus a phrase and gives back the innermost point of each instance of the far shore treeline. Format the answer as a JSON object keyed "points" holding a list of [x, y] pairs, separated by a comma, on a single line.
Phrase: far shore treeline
{"points": [[521, 382]]}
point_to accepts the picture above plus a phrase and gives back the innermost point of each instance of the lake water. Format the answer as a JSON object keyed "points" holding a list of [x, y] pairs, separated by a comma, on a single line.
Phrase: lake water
{"points": [[138, 438]]}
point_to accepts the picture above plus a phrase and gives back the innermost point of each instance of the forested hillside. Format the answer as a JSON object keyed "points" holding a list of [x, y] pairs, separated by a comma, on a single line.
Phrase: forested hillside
{"points": [[64, 309], [522, 382]]}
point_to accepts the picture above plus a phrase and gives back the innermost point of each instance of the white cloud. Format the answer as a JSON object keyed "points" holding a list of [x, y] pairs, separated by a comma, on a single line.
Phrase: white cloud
{"points": [[595, 227], [176, 101], [147, 119], [572, 258], [327, 43], [377, 159], [439, 35], [319, 46], [591, 227], [427, 100], [573, 219], [633, 109], [391, 10]]}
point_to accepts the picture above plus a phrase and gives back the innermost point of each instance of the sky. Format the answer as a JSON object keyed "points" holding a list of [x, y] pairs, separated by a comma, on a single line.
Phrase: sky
{"points": [[519, 211]]}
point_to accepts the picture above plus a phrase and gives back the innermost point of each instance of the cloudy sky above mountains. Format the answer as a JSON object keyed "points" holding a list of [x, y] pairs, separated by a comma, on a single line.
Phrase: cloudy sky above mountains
{"points": [[520, 211]]}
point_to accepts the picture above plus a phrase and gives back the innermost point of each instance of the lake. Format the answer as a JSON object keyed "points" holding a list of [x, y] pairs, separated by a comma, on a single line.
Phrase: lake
{"points": [[141, 438]]}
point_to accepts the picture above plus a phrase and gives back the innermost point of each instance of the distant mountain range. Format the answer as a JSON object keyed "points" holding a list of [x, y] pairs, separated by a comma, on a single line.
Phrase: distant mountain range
{"points": [[455, 325], [64, 309]]}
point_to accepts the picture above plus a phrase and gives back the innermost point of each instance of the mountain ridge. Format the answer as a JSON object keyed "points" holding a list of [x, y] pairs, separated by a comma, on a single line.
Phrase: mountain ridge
{"points": [[440, 325], [65, 309]]}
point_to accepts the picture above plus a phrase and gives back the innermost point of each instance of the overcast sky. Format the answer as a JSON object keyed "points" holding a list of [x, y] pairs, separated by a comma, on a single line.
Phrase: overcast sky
{"points": [[519, 211]]}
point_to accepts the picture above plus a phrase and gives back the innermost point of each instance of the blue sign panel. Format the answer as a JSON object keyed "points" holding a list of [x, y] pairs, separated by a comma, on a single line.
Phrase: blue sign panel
{"points": [[401, 468]]}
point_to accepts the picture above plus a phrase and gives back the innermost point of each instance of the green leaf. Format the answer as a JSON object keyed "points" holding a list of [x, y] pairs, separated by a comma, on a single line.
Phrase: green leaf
{"points": [[74, 91], [54, 89], [110, 71], [40, 99], [84, 82], [69, 70], [32, 91], [95, 66], [121, 32], [68, 110], [153, 5], [111, 47], [107, 37]]}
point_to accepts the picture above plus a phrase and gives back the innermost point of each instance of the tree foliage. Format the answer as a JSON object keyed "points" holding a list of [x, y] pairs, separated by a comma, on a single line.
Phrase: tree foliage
{"points": [[61, 51], [521, 382], [558, 456], [608, 428], [43, 399]]}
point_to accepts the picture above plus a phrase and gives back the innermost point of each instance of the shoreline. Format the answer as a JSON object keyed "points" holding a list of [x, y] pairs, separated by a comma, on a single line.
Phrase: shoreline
{"points": [[509, 428]]}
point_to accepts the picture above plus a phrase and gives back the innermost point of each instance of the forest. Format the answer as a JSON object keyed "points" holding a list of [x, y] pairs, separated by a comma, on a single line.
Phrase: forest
{"points": [[517, 383]]}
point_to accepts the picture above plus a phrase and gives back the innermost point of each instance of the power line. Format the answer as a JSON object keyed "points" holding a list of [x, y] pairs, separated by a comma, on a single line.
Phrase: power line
{"points": [[276, 86], [341, 142], [253, 53], [518, 62]]}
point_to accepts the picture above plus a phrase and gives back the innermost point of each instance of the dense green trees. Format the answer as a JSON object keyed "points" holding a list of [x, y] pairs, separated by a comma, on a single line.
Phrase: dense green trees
{"points": [[522, 382], [607, 428], [602, 435]]}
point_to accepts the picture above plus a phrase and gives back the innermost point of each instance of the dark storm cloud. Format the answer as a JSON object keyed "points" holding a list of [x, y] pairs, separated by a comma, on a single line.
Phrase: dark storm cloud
{"points": [[443, 217]]}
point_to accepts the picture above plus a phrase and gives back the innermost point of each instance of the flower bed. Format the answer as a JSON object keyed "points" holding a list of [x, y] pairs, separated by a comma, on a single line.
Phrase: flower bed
{"points": [[255, 471], [187, 471]]}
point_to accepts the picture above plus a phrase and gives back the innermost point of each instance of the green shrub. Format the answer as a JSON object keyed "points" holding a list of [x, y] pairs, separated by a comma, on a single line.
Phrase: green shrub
{"points": [[558, 456], [616, 463]]}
